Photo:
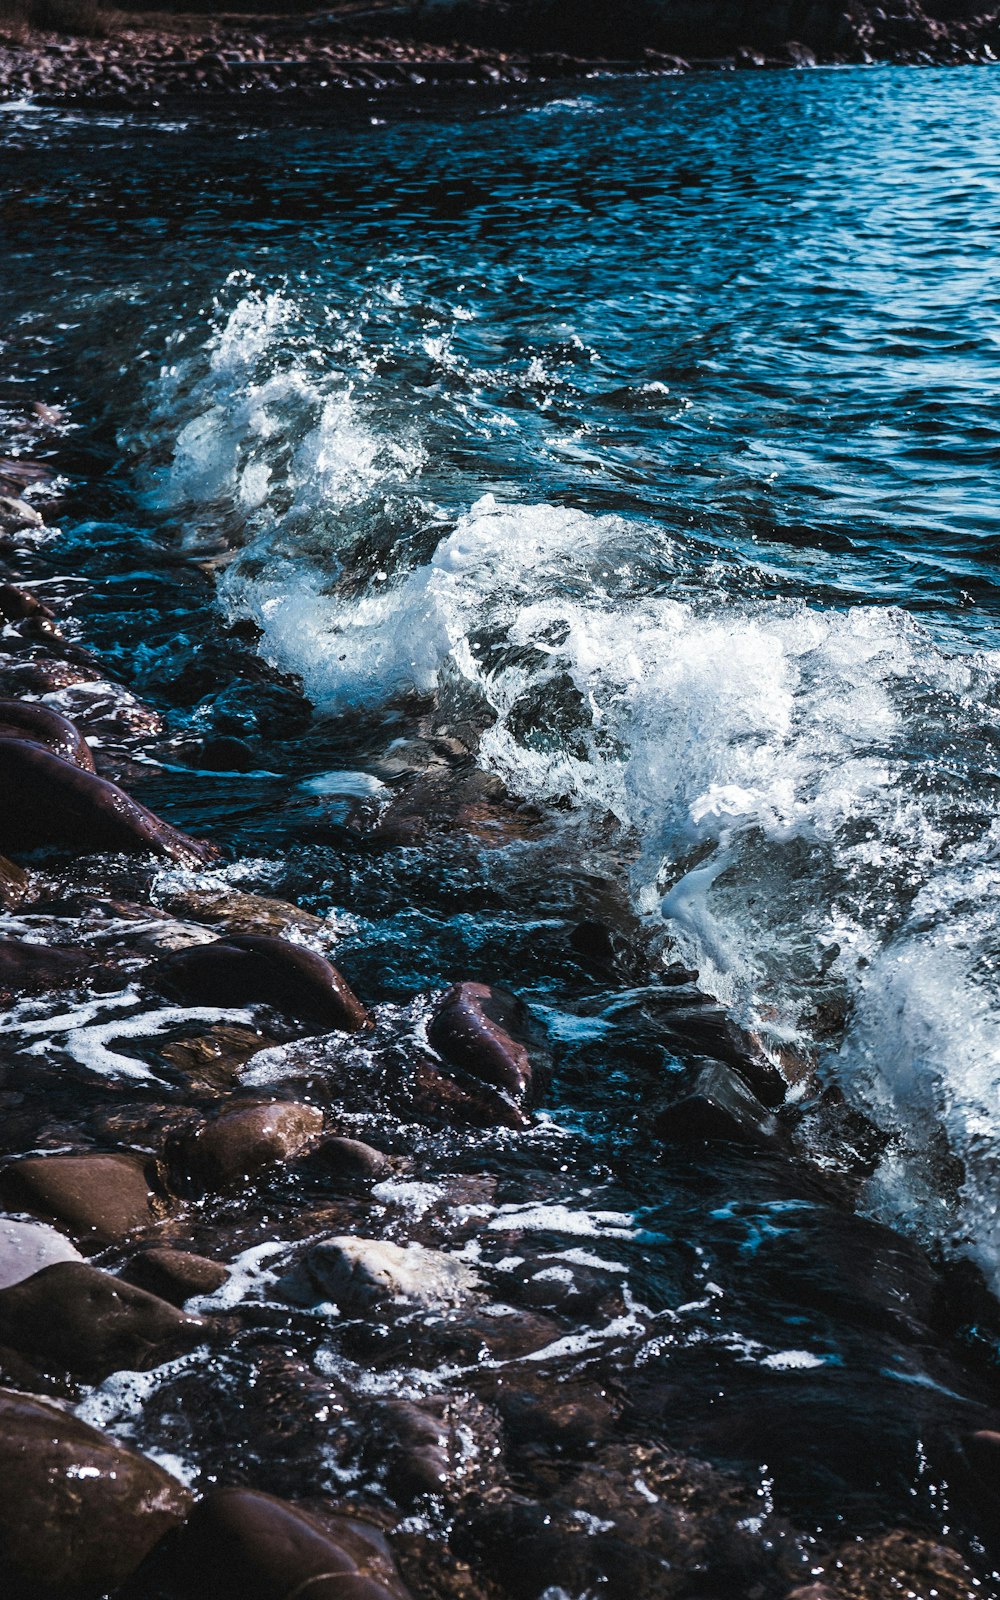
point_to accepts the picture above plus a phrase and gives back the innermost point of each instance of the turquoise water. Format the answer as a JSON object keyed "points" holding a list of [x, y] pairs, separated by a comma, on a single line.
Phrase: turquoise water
{"points": [[650, 429]]}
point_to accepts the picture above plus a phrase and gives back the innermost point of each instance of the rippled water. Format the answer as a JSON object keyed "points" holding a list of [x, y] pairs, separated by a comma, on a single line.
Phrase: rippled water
{"points": [[650, 428]]}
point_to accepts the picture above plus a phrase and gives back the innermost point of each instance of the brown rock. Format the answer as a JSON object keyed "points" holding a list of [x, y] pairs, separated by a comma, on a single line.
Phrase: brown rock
{"points": [[27, 968], [15, 513], [45, 800], [256, 969], [78, 1513], [214, 1058], [174, 1275], [242, 1545], [350, 1160], [237, 912], [25, 719], [74, 1317], [470, 1028], [240, 1145], [99, 1198]]}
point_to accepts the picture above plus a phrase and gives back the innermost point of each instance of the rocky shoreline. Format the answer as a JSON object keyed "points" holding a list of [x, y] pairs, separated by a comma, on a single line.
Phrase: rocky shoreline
{"points": [[140, 61], [319, 1249]]}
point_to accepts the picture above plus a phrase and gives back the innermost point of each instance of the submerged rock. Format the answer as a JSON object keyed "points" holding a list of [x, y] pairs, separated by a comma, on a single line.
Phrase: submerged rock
{"points": [[240, 1145], [350, 1160], [78, 1512], [15, 885], [235, 911], [242, 1545], [79, 1319], [471, 1028], [27, 1247], [45, 800], [256, 969], [360, 1274], [28, 968], [100, 1198]]}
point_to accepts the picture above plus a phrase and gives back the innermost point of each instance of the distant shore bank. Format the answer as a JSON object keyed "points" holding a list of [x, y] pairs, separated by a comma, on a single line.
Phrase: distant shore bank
{"points": [[73, 51]]}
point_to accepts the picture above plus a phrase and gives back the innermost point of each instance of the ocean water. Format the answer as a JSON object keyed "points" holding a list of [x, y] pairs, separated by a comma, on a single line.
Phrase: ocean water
{"points": [[650, 429]]}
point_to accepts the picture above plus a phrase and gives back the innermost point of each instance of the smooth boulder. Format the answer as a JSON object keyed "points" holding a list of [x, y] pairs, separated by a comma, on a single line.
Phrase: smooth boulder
{"points": [[99, 1198], [358, 1275], [76, 1318], [258, 969], [174, 1275], [78, 1513], [240, 1544], [240, 1145], [471, 1028], [27, 1247], [26, 968], [720, 1108], [26, 719], [48, 801]]}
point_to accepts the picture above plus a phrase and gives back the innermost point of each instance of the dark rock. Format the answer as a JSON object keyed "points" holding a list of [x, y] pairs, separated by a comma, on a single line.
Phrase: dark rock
{"points": [[78, 1512], [79, 1319], [45, 800], [239, 1145], [257, 969], [350, 1160], [242, 1545], [24, 719], [720, 1107], [470, 1028], [28, 968], [17, 604], [99, 1198], [235, 911], [27, 1247], [213, 1059], [174, 1275], [440, 1097]]}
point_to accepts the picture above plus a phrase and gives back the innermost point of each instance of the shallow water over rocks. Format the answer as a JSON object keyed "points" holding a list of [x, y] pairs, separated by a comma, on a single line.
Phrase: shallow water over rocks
{"points": [[546, 550]]}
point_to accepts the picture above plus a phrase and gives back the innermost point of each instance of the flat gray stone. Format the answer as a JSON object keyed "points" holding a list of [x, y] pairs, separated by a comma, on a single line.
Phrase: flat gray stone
{"points": [[27, 1247]]}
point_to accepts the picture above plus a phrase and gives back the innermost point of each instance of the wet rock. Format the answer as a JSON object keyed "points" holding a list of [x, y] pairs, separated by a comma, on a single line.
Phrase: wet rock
{"points": [[901, 1562], [431, 1446], [555, 1422], [27, 1247], [77, 1318], [15, 885], [25, 719], [174, 1275], [99, 1198], [17, 605], [256, 969], [439, 1097], [15, 513], [720, 1107], [45, 800], [42, 675], [359, 1274], [214, 1059], [78, 1512], [350, 1160], [242, 1545], [237, 912], [471, 1028], [29, 968], [240, 1145]]}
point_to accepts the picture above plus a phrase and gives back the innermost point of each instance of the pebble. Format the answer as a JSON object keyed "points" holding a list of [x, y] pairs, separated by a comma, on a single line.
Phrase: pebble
{"points": [[99, 1198], [76, 1318], [78, 1512]]}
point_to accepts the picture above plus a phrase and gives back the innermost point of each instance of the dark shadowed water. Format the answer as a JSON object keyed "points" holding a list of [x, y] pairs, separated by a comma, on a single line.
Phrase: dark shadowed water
{"points": [[651, 429]]}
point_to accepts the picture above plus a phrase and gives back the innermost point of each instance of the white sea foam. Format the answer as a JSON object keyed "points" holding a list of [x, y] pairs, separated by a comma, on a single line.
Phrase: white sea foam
{"points": [[802, 786]]}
